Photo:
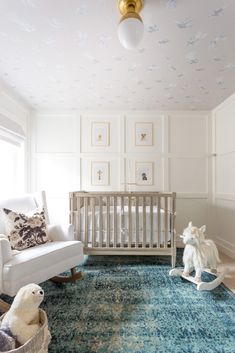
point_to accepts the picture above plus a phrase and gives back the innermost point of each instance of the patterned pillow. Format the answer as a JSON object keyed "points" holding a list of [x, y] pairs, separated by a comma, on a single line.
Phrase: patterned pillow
{"points": [[25, 231]]}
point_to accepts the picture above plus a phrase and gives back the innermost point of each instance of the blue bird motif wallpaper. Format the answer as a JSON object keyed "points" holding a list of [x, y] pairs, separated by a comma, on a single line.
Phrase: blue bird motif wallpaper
{"points": [[60, 54]]}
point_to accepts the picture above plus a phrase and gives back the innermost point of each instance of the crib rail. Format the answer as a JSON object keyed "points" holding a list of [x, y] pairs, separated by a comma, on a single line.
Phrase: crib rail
{"points": [[124, 222]]}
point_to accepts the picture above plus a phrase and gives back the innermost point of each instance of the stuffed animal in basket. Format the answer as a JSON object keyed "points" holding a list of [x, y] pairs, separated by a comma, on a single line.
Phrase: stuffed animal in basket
{"points": [[22, 319], [199, 253]]}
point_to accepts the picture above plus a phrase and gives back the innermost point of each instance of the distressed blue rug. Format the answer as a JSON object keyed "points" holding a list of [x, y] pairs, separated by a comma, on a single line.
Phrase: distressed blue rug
{"points": [[130, 304]]}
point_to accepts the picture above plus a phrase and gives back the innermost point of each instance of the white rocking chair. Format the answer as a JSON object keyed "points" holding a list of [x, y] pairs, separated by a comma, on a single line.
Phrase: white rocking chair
{"points": [[40, 263]]}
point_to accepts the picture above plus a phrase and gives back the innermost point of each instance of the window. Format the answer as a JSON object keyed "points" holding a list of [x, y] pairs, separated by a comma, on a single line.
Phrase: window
{"points": [[12, 169]]}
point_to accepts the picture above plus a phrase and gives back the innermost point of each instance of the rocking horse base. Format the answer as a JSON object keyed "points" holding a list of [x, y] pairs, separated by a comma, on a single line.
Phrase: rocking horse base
{"points": [[200, 285]]}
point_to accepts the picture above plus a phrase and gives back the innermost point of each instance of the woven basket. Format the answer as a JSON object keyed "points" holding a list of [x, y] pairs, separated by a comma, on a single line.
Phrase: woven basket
{"points": [[38, 343]]}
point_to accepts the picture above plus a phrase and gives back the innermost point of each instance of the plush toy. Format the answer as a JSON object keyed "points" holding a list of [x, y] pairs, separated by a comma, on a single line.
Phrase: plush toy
{"points": [[22, 319], [199, 253], [7, 341]]}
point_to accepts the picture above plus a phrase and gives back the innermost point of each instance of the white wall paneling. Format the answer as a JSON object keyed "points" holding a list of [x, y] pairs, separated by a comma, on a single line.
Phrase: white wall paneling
{"points": [[61, 146], [225, 173], [57, 173], [191, 209], [223, 207], [188, 133], [187, 166], [56, 134], [55, 166], [225, 127], [225, 224], [188, 174]]}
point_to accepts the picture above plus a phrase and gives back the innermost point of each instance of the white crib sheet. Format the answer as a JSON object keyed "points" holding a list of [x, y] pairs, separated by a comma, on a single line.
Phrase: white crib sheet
{"points": [[122, 224]]}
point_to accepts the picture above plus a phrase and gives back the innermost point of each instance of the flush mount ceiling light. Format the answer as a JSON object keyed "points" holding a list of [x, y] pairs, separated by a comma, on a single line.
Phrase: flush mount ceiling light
{"points": [[130, 27]]}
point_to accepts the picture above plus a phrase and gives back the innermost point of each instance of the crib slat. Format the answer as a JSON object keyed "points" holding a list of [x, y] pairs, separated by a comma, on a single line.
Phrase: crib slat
{"points": [[115, 221], [93, 221], [86, 220], [144, 223], [173, 241], [158, 222], [79, 234], [100, 222], [137, 221], [71, 207], [122, 230], [108, 223], [151, 221], [166, 221], [129, 221]]}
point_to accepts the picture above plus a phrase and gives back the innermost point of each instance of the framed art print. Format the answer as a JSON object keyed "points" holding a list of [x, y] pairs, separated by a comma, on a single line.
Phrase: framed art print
{"points": [[100, 134], [144, 173], [143, 134], [100, 173]]}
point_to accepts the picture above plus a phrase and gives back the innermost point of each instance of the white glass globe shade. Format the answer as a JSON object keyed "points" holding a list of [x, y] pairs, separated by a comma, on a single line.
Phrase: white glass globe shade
{"points": [[130, 32]]}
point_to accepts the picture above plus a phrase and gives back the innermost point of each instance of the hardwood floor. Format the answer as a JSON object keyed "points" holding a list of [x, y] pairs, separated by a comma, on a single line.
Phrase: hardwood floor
{"points": [[228, 263]]}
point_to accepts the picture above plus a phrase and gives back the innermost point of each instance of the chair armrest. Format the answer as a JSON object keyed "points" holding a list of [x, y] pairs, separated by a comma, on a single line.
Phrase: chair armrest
{"points": [[5, 250], [60, 232]]}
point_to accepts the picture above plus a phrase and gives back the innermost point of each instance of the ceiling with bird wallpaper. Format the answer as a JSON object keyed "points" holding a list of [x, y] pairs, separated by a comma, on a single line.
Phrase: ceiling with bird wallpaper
{"points": [[65, 54]]}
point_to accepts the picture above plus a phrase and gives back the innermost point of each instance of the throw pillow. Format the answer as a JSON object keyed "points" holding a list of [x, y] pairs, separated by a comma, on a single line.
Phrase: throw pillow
{"points": [[25, 230]]}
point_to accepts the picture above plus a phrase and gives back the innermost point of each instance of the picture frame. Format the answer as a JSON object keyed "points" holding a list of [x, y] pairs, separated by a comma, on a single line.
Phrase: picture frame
{"points": [[144, 173], [143, 134], [100, 173], [100, 134]]}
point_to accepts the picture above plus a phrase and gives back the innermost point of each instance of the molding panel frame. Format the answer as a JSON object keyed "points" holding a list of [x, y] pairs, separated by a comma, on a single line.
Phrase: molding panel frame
{"points": [[223, 176], [71, 145]]}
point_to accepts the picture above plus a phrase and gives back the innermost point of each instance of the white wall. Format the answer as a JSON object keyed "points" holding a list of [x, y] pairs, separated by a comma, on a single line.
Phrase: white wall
{"points": [[61, 157], [223, 211]]}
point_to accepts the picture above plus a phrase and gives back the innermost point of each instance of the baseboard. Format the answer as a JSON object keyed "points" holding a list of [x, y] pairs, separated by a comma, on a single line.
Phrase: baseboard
{"points": [[225, 247]]}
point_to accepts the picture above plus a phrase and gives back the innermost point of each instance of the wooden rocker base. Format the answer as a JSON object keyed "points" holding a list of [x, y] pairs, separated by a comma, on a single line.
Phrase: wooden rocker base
{"points": [[4, 306], [68, 279], [201, 285]]}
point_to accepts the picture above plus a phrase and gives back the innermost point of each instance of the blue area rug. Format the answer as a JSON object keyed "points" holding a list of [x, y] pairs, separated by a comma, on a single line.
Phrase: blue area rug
{"points": [[130, 304]]}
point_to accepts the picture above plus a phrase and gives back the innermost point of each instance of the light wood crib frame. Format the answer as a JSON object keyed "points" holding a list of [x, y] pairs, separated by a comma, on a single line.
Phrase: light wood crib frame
{"points": [[125, 223]]}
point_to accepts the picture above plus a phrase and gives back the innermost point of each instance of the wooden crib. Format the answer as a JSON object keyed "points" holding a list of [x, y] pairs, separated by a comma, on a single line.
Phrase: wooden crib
{"points": [[118, 223]]}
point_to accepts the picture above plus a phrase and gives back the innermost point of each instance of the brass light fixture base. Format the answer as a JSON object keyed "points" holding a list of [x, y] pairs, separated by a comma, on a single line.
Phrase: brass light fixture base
{"points": [[131, 15], [130, 6], [130, 27]]}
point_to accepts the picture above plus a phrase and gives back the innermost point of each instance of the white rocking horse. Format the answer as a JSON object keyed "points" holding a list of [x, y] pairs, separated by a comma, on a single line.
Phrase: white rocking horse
{"points": [[200, 254]]}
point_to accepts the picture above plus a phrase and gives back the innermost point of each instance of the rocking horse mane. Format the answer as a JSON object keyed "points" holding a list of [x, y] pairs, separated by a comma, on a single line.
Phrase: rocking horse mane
{"points": [[199, 233]]}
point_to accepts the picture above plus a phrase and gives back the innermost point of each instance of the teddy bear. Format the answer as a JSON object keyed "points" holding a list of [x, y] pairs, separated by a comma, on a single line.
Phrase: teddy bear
{"points": [[22, 319]]}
